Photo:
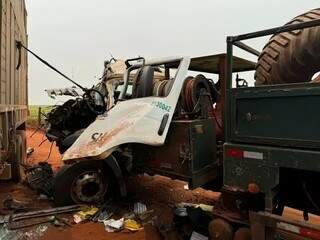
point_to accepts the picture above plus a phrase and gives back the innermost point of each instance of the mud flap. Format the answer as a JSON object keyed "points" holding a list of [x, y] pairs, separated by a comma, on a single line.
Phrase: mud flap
{"points": [[116, 169]]}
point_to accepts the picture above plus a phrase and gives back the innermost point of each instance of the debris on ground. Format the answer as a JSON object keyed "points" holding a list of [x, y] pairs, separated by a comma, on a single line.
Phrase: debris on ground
{"points": [[104, 213], [30, 222], [146, 215], [30, 150], [157, 193], [139, 208], [85, 214], [60, 221], [40, 177], [112, 225], [204, 207], [37, 214], [199, 220], [198, 236], [191, 220], [34, 233], [132, 225], [42, 197], [9, 203]]}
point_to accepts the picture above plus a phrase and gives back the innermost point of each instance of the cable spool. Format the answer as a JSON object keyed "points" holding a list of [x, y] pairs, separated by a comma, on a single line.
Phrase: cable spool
{"points": [[192, 90]]}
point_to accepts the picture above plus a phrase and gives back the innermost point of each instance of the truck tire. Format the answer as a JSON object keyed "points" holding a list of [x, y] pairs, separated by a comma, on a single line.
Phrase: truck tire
{"points": [[19, 157], [291, 57], [82, 182]]}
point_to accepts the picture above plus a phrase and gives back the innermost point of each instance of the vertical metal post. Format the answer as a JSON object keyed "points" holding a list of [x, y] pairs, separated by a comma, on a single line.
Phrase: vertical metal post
{"points": [[220, 104], [229, 67], [39, 116]]}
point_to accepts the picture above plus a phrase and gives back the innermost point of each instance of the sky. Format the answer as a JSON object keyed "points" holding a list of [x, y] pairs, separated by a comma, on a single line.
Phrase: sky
{"points": [[76, 36]]}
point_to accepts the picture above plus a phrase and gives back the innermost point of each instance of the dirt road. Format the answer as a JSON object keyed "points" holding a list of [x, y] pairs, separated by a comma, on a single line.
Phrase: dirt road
{"points": [[156, 192]]}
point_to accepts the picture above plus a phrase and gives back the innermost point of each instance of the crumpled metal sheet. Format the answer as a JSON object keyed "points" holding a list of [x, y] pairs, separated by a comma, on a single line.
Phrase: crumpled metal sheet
{"points": [[139, 208], [33, 233], [72, 91]]}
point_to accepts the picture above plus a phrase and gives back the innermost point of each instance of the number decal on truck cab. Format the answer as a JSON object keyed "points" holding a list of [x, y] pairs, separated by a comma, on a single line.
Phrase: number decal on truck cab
{"points": [[161, 105]]}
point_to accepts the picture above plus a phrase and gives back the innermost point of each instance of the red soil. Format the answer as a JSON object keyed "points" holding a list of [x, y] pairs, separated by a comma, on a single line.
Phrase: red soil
{"points": [[157, 192]]}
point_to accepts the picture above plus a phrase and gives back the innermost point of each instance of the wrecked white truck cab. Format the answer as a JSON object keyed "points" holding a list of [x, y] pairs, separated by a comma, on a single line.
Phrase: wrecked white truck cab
{"points": [[164, 122], [140, 120]]}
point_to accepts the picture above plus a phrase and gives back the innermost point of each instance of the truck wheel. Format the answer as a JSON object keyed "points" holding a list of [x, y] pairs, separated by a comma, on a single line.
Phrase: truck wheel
{"points": [[19, 157], [82, 182], [291, 57], [220, 229]]}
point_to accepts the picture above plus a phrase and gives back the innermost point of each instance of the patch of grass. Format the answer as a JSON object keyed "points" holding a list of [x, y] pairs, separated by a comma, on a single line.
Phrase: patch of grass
{"points": [[34, 114]]}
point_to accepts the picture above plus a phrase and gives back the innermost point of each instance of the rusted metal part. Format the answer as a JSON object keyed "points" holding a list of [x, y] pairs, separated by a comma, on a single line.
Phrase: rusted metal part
{"points": [[40, 177], [13, 204], [242, 233], [220, 229], [98, 140], [184, 93], [73, 92], [30, 223], [39, 213]]}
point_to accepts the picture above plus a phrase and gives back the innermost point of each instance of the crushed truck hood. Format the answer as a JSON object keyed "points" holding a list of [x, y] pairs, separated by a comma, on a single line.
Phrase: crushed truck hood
{"points": [[131, 121]]}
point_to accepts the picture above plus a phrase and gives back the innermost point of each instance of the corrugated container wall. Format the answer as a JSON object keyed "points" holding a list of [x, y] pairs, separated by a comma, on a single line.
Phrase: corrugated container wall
{"points": [[13, 87]]}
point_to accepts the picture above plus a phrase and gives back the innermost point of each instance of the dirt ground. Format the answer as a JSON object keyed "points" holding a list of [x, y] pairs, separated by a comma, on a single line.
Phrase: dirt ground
{"points": [[157, 192]]}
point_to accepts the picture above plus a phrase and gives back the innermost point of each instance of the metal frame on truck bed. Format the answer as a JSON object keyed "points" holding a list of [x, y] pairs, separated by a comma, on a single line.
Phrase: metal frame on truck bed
{"points": [[272, 148]]}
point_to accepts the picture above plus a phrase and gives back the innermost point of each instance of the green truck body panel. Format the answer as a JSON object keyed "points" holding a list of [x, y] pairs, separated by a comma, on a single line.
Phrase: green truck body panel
{"points": [[276, 129], [189, 153], [283, 115], [239, 172]]}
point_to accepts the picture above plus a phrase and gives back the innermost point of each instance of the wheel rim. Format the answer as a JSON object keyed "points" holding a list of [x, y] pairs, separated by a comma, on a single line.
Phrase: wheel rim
{"points": [[90, 186]]}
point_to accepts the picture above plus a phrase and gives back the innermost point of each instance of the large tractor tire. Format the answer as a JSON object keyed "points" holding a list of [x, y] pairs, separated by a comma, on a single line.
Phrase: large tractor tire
{"points": [[291, 57]]}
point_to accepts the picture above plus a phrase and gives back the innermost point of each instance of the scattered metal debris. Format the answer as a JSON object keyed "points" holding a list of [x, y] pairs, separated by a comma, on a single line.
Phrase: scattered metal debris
{"points": [[30, 150], [198, 236], [181, 212], [146, 215], [132, 225], [112, 225], [73, 92], [105, 212], [40, 178], [85, 214], [139, 208], [62, 222], [204, 207], [30, 223], [39, 213], [34, 233], [42, 197], [9, 203]]}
